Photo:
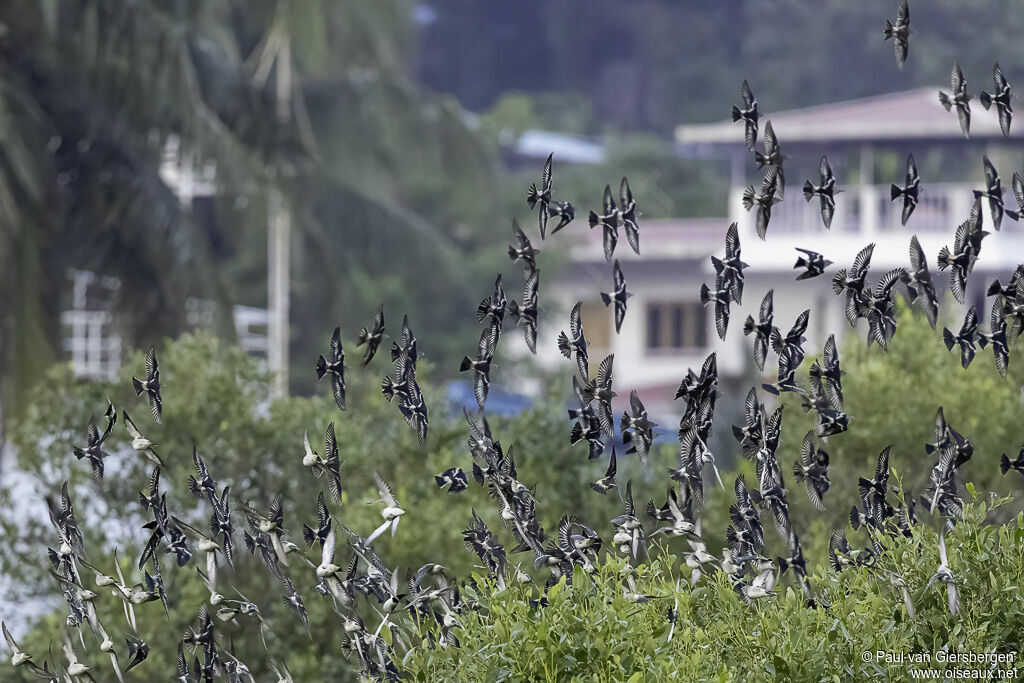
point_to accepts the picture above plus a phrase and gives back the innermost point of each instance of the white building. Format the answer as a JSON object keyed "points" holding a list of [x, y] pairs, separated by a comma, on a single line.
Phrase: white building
{"points": [[666, 331]]}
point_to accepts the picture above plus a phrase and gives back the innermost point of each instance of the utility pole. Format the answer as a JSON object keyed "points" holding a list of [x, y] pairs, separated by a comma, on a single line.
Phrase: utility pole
{"points": [[279, 230]]}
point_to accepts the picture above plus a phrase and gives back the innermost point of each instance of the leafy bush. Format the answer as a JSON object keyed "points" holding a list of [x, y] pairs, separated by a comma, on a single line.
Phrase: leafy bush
{"points": [[217, 397], [590, 631]]}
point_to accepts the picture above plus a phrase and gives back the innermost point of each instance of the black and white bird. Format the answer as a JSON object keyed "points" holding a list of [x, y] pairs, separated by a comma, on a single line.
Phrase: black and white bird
{"points": [[993, 192], [730, 268], [493, 307], [966, 248], [140, 443], [618, 296], [546, 206], [453, 477], [1002, 97], [900, 32], [919, 283], [791, 346], [748, 114], [829, 373], [335, 367], [909, 191], [151, 385], [628, 214], [772, 157], [600, 389], [481, 365], [764, 200], [93, 449], [967, 338], [996, 337], [608, 221], [329, 464], [850, 284], [825, 192], [574, 343], [813, 263], [637, 428], [525, 312], [392, 511], [958, 98], [761, 329], [521, 250], [721, 295], [607, 482], [372, 336], [811, 470]]}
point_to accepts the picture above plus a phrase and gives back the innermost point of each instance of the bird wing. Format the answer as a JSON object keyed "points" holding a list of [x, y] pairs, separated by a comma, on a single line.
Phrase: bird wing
{"points": [[130, 425], [747, 94], [385, 491], [151, 365], [825, 170], [912, 175], [625, 194], [545, 176], [732, 242]]}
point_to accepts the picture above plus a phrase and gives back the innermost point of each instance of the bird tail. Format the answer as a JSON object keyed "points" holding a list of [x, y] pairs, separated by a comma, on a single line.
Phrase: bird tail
{"points": [[808, 190], [193, 486], [736, 114], [467, 363], [626, 422], [1014, 215], [761, 159], [771, 389], [137, 385], [717, 263], [705, 294], [748, 325], [985, 99], [948, 339], [1004, 464], [363, 337], [308, 535], [439, 479], [798, 472], [143, 500], [482, 309], [79, 453], [854, 518], [387, 387], [532, 196], [575, 434], [783, 565], [606, 299], [512, 252], [994, 288], [563, 345], [945, 101], [321, 367], [593, 219], [889, 30], [945, 259], [801, 262], [895, 191], [513, 310], [748, 198]]}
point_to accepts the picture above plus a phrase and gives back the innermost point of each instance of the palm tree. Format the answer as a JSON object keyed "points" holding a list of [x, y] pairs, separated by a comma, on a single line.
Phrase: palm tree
{"points": [[311, 100]]}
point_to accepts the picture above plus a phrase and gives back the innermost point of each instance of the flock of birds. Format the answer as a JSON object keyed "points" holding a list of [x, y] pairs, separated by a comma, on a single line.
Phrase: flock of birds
{"points": [[431, 595]]}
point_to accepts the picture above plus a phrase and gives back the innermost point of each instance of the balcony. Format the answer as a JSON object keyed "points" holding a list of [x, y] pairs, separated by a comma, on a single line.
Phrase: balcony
{"points": [[867, 210]]}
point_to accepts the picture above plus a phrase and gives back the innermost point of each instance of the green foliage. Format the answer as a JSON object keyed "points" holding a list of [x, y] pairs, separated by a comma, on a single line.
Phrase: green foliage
{"points": [[217, 398], [591, 631]]}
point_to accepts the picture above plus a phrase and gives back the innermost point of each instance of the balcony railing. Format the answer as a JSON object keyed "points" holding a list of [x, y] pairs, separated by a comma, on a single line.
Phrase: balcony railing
{"points": [[868, 209]]}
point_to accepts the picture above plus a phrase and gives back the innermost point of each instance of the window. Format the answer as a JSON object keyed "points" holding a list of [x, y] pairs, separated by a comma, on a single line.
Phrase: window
{"points": [[676, 326]]}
